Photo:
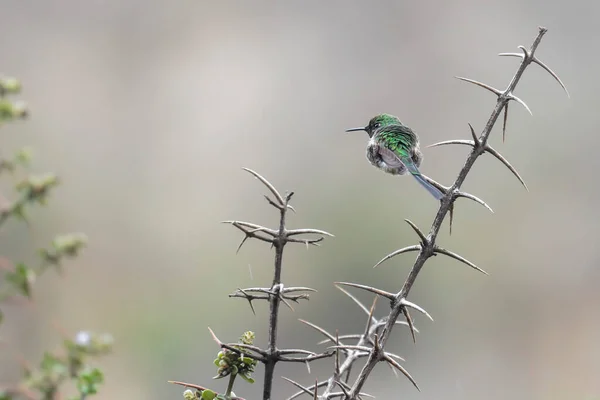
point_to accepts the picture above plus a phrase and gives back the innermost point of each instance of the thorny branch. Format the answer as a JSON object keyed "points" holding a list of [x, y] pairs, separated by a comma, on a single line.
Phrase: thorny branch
{"points": [[371, 343], [277, 293]]}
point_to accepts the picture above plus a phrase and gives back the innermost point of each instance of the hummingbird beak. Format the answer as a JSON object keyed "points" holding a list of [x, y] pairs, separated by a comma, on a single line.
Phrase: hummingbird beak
{"points": [[356, 129]]}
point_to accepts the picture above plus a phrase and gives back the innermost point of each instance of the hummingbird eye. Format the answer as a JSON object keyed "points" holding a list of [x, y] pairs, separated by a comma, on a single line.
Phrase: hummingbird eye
{"points": [[377, 125]]}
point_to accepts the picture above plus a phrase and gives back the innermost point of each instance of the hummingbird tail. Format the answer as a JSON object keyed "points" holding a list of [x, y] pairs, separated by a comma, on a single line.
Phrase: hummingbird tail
{"points": [[435, 192], [414, 171]]}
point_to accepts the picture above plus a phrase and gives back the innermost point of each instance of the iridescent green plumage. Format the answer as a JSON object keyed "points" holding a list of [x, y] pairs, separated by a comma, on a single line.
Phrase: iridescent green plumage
{"points": [[394, 148], [398, 138]]}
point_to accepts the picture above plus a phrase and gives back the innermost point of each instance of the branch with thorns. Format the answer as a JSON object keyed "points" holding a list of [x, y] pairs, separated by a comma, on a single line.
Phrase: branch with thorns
{"points": [[371, 343], [276, 294]]}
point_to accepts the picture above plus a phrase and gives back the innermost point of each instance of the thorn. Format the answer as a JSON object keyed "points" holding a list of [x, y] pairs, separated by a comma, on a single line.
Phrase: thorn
{"points": [[476, 141], [251, 230], [249, 298], [457, 141], [538, 62], [255, 227], [474, 198], [284, 301], [242, 243], [397, 252], [188, 385], [273, 203], [215, 338], [342, 337], [410, 323], [451, 210], [308, 231], [316, 387], [401, 369], [342, 388], [424, 240], [396, 356], [483, 85], [370, 319], [371, 289], [252, 307], [319, 329], [297, 351], [307, 242], [459, 258], [299, 386], [299, 289], [503, 160], [393, 370], [525, 52], [504, 123], [268, 185], [541, 64], [336, 362], [347, 293], [364, 349], [510, 55], [511, 96], [524, 55], [407, 303]]}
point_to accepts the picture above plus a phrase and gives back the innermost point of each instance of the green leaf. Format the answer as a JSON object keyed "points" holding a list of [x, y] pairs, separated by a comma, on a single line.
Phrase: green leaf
{"points": [[5, 396], [208, 395], [54, 366], [88, 381], [22, 278], [247, 378]]}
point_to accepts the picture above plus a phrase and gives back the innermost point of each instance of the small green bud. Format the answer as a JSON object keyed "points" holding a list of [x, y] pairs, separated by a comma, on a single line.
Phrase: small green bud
{"points": [[69, 244], [23, 156], [9, 86], [10, 110], [248, 337]]}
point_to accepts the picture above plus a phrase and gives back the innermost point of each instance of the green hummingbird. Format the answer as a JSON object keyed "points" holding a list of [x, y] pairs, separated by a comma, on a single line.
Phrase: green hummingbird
{"points": [[394, 148]]}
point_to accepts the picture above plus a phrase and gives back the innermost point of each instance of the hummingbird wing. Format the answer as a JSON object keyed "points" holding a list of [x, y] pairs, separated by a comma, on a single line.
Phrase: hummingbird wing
{"points": [[398, 147], [390, 158], [398, 138]]}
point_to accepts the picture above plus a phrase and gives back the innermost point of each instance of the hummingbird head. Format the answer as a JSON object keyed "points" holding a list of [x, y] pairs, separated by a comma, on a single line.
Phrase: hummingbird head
{"points": [[377, 122]]}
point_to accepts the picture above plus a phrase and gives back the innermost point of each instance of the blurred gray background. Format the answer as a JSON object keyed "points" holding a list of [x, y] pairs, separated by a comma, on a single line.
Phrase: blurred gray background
{"points": [[147, 110]]}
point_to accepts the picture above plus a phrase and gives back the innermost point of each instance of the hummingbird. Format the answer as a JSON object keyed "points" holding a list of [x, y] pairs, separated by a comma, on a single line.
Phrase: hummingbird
{"points": [[394, 148]]}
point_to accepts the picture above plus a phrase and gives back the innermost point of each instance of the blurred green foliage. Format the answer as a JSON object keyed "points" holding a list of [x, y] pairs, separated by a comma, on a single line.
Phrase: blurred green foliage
{"points": [[70, 363]]}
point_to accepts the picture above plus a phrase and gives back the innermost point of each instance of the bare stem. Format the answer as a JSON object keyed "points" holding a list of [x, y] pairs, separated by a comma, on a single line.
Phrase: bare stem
{"points": [[230, 384], [279, 243]]}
